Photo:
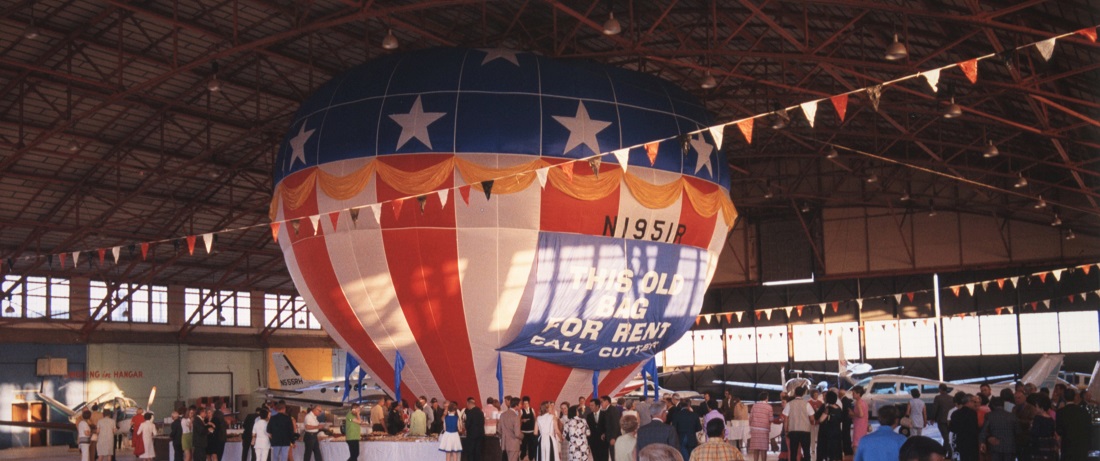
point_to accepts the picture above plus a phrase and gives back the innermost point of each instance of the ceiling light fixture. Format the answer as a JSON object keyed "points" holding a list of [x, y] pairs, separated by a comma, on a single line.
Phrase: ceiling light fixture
{"points": [[832, 153], [73, 146], [390, 41], [1022, 182], [708, 82], [805, 207], [872, 179], [214, 85], [612, 26], [1057, 221], [896, 50], [31, 32], [990, 150], [768, 195], [953, 110], [931, 208], [905, 197], [1041, 203], [781, 119], [9, 310], [301, 321], [1070, 235]]}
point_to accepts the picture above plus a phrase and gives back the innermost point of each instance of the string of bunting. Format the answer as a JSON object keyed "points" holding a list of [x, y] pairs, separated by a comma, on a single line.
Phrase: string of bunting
{"points": [[957, 290], [745, 126]]}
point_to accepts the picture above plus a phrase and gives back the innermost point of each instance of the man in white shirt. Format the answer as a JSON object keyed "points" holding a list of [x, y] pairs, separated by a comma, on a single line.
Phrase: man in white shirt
{"points": [[313, 426], [799, 417], [427, 410]]}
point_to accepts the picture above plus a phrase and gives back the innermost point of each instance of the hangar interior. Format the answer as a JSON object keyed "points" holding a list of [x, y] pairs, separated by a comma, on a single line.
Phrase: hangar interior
{"points": [[137, 142]]}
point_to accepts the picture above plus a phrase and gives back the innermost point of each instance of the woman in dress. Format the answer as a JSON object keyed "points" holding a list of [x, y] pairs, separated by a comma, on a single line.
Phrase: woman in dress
{"points": [[563, 414], [352, 432], [395, 421], [624, 445], [146, 431], [829, 417], [449, 441], [84, 435], [576, 434], [861, 419], [105, 431], [760, 426], [261, 440], [546, 429], [187, 439], [1044, 445], [916, 412]]}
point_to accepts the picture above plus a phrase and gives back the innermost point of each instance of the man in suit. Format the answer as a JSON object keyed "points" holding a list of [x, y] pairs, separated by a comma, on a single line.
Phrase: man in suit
{"points": [[612, 417], [177, 432], [597, 424], [508, 429], [657, 432], [246, 436], [475, 430], [218, 438], [1073, 423]]}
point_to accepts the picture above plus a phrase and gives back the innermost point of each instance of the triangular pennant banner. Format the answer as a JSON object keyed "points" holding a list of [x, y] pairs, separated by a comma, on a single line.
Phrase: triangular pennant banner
{"points": [[487, 188], [910, 296], [191, 244], [822, 307], [739, 315], [758, 313], [542, 172], [1046, 48], [315, 221], [799, 309], [208, 241], [729, 317], [651, 152], [955, 289], [768, 314], [422, 201], [102, 252], [297, 225], [1034, 305], [594, 163], [1057, 274], [697, 319], [985, 285], [1009, 309], [1001, 283], [1015, 281], [897, 298], [1070, 298], [970, 69], [567, 168], [354, 213], [933, 78], [836, 306], [144, 251], [859, 302], [274, 232], [999, 309], [874, 93], [746, 129], [1086, 268], [1089, 32], [61, 257], [397, 205], [788, 309], [1043, 277], [970, 288], [115, 252], [376, 211], [464, 192], [334, 217], [809, 108], [443, 194], [1046, 303], [718, 133], [76, 258], [621, 155], [709, 318], [840, 103]]}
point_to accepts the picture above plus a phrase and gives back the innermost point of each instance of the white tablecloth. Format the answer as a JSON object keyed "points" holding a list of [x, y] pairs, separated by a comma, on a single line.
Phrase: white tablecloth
{"points": [[372, 450]]}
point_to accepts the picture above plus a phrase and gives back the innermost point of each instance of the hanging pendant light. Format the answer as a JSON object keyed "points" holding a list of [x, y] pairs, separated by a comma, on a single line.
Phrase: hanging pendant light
{"points": [[781, 119], [708, 82], [612, 26], [990, 150], [873, 178], [73, 146], [832, 154], [390, 41], [896, 50], [1069, 235], [953, 110], [1041, 203], [1057, 221], [1022, 182]]}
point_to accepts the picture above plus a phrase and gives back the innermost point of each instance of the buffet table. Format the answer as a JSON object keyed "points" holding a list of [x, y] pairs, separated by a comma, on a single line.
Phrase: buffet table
{"points": [[427, 449]]}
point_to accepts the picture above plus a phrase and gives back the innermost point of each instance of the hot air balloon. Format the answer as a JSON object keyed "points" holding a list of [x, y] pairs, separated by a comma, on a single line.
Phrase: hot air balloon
{"points": [[499, 221]]}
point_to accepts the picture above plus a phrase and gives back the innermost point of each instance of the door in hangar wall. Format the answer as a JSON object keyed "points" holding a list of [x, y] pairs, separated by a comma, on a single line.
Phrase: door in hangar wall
{"points": [[207, 384]]}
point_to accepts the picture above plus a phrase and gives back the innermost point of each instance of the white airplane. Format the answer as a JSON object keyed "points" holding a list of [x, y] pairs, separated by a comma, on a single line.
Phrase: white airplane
{"points": [[883, 390], [787, 386], [634, 388], [293, 388], [850, 372], [113, 399]]}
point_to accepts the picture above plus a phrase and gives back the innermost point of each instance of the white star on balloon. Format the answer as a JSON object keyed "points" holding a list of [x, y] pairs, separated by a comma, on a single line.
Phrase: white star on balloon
{"points": [[500, 53], [298, 145], [415, 124], [582, 130], [703, 150]]}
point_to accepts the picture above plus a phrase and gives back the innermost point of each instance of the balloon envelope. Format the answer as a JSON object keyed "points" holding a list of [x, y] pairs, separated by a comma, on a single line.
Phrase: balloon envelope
{"points": [[452, 205]]}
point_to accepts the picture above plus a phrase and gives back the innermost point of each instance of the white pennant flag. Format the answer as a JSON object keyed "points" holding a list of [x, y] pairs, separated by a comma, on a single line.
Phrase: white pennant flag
{"points": [[985, 285], [622, 155], [315, 219], [76, 258], [1046, 48], [859, 301], [1046, 303], [788, 309], [897, 298], [115, 251], [1057, 274], [1084, 296], [822, 307], [1009, 309], [768, 313], [740, 314], [443, 194], [542, 172], [933, 77], [376, 211], [810, 109], [1014, 280], [709, 318], [208, 240], [717, 132], [970, 288]]}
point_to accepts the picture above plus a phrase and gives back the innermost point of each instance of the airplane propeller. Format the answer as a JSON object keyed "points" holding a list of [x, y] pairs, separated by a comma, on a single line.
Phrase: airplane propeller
{"points": [[152, 396]]}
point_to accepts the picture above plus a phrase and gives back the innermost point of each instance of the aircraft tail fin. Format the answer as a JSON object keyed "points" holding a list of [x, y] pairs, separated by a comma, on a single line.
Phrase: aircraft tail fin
{"points": [[288, 375], [1094, 381], [1045, 371]]}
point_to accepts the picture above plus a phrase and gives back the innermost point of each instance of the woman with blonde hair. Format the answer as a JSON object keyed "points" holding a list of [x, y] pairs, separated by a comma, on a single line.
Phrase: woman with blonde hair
{"points": [[548, 432]]}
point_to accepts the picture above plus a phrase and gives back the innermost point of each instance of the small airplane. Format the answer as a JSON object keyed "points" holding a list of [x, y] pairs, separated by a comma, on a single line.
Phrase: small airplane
{"points": [[849, 372], [634, 387], [293, 388], [113, 399], [787, 386]]}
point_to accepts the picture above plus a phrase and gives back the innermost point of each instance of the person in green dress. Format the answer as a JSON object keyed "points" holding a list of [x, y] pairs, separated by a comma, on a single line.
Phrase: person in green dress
{"points": [[352, 432]]}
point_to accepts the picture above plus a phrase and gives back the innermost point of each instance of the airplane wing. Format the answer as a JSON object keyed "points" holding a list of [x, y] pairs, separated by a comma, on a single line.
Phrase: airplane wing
{"points": [[41, 425], [763, 386], [982, 379], [56, 405], [1094, 382], [818, 373]]}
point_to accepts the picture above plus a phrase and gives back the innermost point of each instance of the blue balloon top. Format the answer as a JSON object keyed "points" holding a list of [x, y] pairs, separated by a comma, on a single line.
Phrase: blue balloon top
{"points": [[457, 100]]}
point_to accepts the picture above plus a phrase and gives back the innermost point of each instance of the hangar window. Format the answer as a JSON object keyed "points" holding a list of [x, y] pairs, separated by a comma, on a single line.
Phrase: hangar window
{"points": [[999, 335], [680, 353], [741, 345], [815, 342], [883, 339], [217, 307], [128, 302], [1039, 333], [35, 297], [809, 342], [1079, 331], [842, 332], [771, 344], [917, 337], [288, 311], [708, 347]]}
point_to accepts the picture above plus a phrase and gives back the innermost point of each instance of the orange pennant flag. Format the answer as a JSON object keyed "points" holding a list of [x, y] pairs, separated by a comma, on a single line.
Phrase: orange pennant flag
{"points": [[1034, 305], [729, 317], [746, 129], [1086, 268], [1043, 277], [567, 168], [758, 315], [275, 231], [651, 152], [955, 289], [1089, 32], [970, 68], [62, 255], [840, 103], [910, 296], [697, 318], [836, 306], [464, 191], [191, 244], [144, 251], [102, 252], [1001, 283], [799, 308], [999, 309], [1071, 299], [397, 204]]}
